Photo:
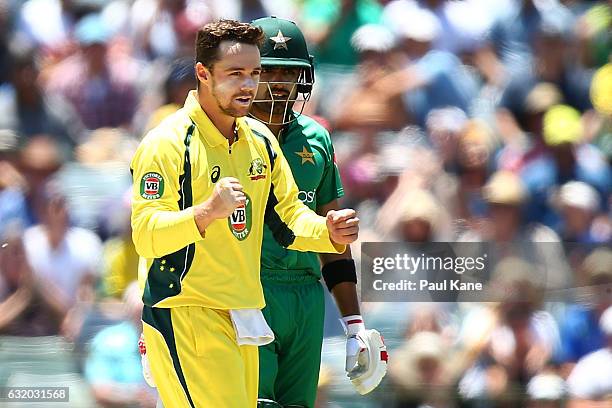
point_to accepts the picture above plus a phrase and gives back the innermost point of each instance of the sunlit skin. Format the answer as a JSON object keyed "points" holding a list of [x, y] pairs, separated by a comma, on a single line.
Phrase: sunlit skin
{"points": [[227, 89], [282, 83]]}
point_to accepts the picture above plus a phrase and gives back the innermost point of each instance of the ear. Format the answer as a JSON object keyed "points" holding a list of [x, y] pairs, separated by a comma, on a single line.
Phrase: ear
{"points": [[202, 73]]}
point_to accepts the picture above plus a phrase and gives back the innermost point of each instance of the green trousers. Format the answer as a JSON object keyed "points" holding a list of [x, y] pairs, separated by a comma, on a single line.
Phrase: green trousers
{"points": [[289, 366]]}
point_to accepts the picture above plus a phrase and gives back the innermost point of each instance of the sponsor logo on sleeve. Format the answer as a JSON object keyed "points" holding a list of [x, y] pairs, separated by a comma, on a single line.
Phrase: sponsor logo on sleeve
{"points": [[151, 186]]}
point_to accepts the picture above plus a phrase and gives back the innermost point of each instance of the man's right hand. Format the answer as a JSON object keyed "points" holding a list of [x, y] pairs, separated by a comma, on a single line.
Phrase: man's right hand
{"points": [[225, 198]]}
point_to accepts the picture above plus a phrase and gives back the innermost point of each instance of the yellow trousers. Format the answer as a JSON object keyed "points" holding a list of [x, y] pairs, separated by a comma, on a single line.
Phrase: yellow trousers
{"points": [[196, 361]]}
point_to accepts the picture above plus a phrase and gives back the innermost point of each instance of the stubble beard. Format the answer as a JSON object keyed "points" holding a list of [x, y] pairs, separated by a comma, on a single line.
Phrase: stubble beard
{"points": [[228, 110]]}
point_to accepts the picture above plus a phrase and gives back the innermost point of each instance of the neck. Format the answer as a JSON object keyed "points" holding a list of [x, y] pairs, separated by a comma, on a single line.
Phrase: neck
{"points": [[263, 116], [275, 129], [223, 122]]}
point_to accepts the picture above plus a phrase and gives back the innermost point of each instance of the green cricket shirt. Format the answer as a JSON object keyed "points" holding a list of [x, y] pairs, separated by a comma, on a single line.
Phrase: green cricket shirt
{"points": [[308, 148]]}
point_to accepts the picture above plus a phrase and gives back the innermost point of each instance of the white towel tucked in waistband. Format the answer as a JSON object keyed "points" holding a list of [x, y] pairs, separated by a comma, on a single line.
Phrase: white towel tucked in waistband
{"points": [[251, 327]]}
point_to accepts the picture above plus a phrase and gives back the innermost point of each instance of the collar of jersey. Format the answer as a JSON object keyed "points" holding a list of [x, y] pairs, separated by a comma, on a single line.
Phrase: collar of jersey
{"points": [[205, 126]]}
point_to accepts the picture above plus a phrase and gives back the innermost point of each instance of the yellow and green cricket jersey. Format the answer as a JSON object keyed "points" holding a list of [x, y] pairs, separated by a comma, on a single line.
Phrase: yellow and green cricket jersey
{"points": [[176, 167], [309, 151]]}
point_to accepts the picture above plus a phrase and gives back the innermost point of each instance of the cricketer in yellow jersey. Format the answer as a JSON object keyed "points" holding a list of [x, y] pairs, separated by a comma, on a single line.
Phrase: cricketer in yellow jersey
{"points": [[205, 182]]}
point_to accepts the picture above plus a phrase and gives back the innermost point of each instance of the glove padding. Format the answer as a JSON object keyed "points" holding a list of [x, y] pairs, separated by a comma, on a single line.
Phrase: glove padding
{"points": [[366, 355], [146, 369], [371, 362]]}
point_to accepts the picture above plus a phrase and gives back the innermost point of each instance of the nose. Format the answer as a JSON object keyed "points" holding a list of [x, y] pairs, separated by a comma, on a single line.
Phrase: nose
{"points": [[249, 85]]}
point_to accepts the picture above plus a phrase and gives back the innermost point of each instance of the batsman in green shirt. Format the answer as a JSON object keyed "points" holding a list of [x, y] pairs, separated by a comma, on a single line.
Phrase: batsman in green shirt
{"points": [[289, 366]]}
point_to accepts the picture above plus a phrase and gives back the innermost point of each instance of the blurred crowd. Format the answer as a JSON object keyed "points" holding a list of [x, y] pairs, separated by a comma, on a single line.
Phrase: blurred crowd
{"points": [[472, 120]]}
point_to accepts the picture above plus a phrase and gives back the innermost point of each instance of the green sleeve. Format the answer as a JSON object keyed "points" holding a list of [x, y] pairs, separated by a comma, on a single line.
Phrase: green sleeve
{"points": [[331, 185]]}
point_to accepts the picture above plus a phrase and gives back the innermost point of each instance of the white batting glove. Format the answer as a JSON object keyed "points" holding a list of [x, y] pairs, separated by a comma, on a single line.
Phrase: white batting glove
{"points": [[355, 343], [146, 369], [366, 355]]}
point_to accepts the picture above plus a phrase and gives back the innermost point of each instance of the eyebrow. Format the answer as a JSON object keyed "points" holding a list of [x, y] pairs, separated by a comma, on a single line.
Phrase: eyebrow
{"points": [[242, 69]]}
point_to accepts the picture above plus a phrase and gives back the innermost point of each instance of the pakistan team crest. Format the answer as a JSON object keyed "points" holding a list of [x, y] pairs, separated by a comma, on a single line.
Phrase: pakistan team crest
{"points": [[240, 220], [151, 186]]}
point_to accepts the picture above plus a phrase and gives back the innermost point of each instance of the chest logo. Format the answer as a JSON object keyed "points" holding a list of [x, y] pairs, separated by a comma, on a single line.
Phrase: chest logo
{"points": [[215, 174], [151, 186], [257, 169], [240, 220], [306, 156]]}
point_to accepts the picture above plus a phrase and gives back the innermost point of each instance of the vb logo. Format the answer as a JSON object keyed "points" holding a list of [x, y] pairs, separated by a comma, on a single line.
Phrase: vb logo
{"points": [[151, 186], [239, 221]]}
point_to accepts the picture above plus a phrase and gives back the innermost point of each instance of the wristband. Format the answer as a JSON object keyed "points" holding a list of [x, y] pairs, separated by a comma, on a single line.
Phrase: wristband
{"points": [[352, 324], [342, 270]]}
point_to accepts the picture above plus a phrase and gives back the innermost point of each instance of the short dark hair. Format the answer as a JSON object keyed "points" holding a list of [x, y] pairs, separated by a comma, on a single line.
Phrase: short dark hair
{"points": [[212, 34]]}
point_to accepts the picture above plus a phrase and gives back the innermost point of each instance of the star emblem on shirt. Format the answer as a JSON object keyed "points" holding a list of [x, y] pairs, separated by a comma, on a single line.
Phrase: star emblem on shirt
{"points": [[280, 41], [306, 155]]}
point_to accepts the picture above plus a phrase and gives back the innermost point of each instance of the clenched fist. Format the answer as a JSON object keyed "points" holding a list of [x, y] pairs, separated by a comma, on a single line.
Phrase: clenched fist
{"points": [[225, 198], [343, 226]]}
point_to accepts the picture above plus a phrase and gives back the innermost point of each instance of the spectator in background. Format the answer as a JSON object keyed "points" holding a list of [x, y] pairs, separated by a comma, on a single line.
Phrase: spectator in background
{"points": [[329, 25], [430, 78], [554, 62], [590, 383], [593, 34], [444, 126], [364, 109], [99, 85], [120, 260], [47, 24], [506, 233], [38, 161], [13, 186], [27, 307], [422, 219], [65, 258], [524, 151], [475, 144], [546, 390], [513, 35], [573, 159], [28, 110], [412, 214], [578, 204], [167, 28], [601, 89], [112, 366], [580, 330], [421, 372], [512, 341], [522, 128], [176, 87]]}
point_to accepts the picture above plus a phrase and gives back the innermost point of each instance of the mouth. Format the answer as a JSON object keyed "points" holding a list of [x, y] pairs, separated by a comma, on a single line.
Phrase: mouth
{"points": [[244, 100], [280, 93]]}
